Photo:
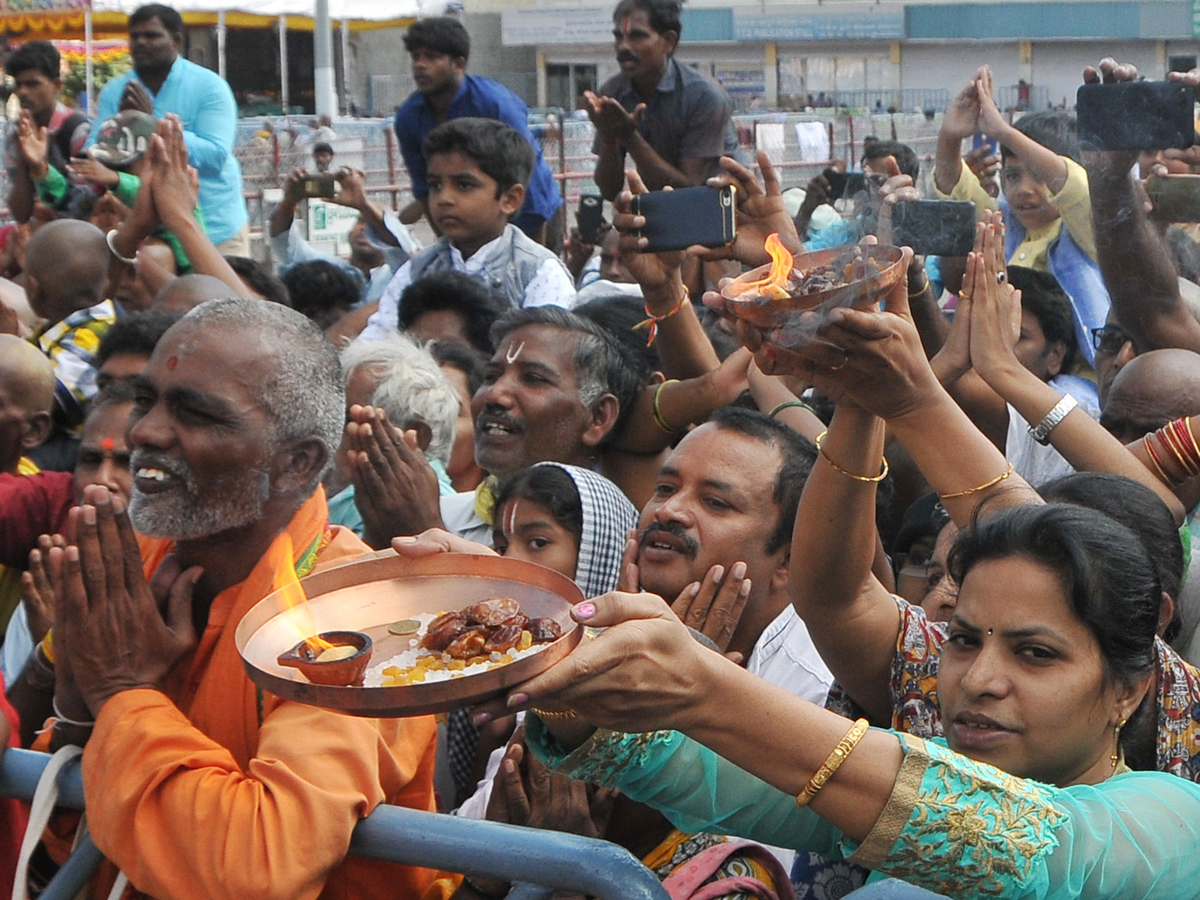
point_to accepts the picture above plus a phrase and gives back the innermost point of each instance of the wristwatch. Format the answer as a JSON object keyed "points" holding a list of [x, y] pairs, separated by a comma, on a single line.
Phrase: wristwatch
{"points": [[1041, 433]]}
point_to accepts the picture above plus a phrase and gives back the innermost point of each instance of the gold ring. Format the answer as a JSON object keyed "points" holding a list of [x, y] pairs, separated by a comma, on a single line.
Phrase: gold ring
{"points": [[840, 365]]}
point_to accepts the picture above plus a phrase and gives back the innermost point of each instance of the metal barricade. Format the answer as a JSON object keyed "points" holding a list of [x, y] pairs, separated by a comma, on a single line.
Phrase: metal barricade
{"points": [[537, 862]]}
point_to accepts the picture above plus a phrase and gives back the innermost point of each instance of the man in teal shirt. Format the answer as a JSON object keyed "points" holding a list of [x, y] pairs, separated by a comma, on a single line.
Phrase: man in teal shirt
{"points": [[163, 82]]}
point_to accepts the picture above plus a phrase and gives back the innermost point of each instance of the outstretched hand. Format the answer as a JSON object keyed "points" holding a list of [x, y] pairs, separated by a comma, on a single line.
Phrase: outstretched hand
{"points": [[639, 674], [124, 632], [761, 212], [611, 119]]}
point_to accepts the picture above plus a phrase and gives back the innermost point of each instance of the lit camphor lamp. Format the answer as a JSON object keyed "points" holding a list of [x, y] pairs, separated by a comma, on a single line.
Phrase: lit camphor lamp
{"points": [[336, 658]]}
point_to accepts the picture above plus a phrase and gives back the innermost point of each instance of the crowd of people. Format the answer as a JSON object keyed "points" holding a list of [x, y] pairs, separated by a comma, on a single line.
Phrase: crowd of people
{"points": [[899, 602]]}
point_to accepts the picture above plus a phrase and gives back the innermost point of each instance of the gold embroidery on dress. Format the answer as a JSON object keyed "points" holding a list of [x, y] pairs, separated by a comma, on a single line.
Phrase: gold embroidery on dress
{"points": [[975, 830]]}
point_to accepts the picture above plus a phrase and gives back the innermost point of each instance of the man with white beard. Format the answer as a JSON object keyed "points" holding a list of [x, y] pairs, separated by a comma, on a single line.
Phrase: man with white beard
{"points": [[197, 783]]}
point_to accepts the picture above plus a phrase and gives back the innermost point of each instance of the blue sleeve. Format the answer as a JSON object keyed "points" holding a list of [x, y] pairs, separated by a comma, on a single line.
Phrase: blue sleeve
{"points": [[106, 105], [209, 136], [410, 149]]}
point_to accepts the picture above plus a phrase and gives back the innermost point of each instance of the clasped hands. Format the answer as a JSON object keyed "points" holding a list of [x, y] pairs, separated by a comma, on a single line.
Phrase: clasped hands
{"points": [[113, 630]]}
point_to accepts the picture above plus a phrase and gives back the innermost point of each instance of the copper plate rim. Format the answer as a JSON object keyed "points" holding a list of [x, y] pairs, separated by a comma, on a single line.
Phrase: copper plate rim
{"points": [[777, 312], [416, 699]]}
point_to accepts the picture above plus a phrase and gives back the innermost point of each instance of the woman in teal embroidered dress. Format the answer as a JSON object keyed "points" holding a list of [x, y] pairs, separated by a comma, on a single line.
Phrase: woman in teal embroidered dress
{"points": [[902, 806], [1049, 655]]}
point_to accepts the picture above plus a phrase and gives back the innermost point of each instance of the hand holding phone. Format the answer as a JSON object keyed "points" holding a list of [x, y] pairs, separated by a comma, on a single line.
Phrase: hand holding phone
{"points": [[1136, 115], [319, 186], [591, 214], [676, 220]]}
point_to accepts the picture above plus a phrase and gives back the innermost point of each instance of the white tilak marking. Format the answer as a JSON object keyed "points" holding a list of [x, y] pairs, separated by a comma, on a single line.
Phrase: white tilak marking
{"points": [[511, 355]]}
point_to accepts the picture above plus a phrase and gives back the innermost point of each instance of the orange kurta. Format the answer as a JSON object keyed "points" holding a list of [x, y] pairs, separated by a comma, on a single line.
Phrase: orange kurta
{"points": [[218, 790]]}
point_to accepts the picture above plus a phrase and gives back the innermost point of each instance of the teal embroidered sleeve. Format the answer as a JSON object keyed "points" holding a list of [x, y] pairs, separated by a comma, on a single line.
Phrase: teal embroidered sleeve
{"points": [[952, 825], [692, 786]]}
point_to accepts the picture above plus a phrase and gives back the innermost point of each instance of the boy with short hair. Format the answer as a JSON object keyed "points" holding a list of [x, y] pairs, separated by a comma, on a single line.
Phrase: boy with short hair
{"points": [[477, 171], [1045, 199]]}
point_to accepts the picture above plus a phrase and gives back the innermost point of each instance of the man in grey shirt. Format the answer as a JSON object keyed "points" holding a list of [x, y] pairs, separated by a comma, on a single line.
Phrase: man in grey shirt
{"points": [[669, 118]]}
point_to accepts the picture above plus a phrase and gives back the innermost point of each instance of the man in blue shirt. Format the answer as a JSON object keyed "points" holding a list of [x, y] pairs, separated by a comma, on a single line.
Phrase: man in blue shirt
{"points": [[162, 82], [439, 48]]}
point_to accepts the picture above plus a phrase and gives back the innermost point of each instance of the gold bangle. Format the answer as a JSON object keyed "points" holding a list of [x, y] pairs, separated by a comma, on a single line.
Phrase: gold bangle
{"points": [[871, 479], [926, 286], [658, 416], [983, 487], [550, 715], [47, 645], [1187, 421], [833, 762]]}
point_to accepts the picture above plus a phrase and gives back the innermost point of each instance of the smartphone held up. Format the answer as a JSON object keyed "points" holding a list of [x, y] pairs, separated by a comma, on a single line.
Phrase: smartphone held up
{"points": [[697, 216]]}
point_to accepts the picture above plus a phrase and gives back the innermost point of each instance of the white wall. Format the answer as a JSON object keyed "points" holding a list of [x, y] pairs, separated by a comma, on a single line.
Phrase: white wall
{"points": [[1059, 66], [949, 66]]}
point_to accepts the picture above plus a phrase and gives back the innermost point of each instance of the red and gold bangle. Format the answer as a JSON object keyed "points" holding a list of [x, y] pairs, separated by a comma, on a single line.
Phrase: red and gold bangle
{"points": [[1187, 444], [1156, 462], [652, 322], [1175, 444]]}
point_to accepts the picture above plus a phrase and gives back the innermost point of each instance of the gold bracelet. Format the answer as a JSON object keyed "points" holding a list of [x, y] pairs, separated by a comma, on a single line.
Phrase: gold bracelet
{"points": [[833, 762], [983, 487], [550, 715], [47, 646], [928, 284], [658, 416], [871, 479]]}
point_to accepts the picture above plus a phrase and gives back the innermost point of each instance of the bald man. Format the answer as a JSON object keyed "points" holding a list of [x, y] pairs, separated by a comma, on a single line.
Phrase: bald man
{"points": [[181, 295], [66, 270], [26, 401], [1148, 391]]}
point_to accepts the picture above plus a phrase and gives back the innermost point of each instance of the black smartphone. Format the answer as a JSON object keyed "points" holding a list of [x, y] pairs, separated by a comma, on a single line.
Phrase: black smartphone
{"points": [[319, 186], [844, 184], [591, 214], [687, 217], [1136, 115], [1176, 198], [934, 227]]}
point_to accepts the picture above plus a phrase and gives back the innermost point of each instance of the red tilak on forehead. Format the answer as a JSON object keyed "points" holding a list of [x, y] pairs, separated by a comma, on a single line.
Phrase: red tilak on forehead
{"points": [[172, 362], [108, 444], [625, 26]]}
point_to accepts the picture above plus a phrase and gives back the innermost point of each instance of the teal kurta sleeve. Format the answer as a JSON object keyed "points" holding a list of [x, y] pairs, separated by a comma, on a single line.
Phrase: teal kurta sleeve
{"points": [[951, 825]]}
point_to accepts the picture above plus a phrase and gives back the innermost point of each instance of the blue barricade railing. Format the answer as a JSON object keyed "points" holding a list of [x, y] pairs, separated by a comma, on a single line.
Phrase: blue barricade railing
{"points": [[538, 862]]}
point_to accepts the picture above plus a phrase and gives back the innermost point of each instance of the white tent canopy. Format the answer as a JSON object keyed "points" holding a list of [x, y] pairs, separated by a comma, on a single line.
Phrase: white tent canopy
{"points": [[372, 10]]}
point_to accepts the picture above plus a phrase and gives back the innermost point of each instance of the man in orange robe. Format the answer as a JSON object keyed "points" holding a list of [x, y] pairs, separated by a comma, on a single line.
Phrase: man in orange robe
{"points": [[197, 783]]}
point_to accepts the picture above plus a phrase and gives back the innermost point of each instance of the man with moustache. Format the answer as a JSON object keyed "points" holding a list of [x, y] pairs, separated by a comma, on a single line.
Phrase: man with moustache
{"points": [[718, 532], [668, 118], [553, 391], [197, 783]]}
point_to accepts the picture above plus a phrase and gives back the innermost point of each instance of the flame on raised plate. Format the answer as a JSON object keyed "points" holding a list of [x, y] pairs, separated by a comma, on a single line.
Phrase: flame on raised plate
{"points": [[775, 285], [292, 597]]}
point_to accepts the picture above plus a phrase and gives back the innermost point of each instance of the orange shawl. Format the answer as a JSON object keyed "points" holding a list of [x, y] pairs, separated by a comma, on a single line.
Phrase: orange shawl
{"points": [[227, 792]]}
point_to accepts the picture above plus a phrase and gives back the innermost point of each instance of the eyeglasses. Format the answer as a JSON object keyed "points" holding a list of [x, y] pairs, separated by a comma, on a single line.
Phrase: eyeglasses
{"points": [[1109, 339]]}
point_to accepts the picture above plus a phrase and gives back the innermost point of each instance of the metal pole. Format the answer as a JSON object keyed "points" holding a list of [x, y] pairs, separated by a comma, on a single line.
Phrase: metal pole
{"points": [[89, 72], [323, 81], [417, 838], [221, 42], [345, 31], [284, 98]]}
